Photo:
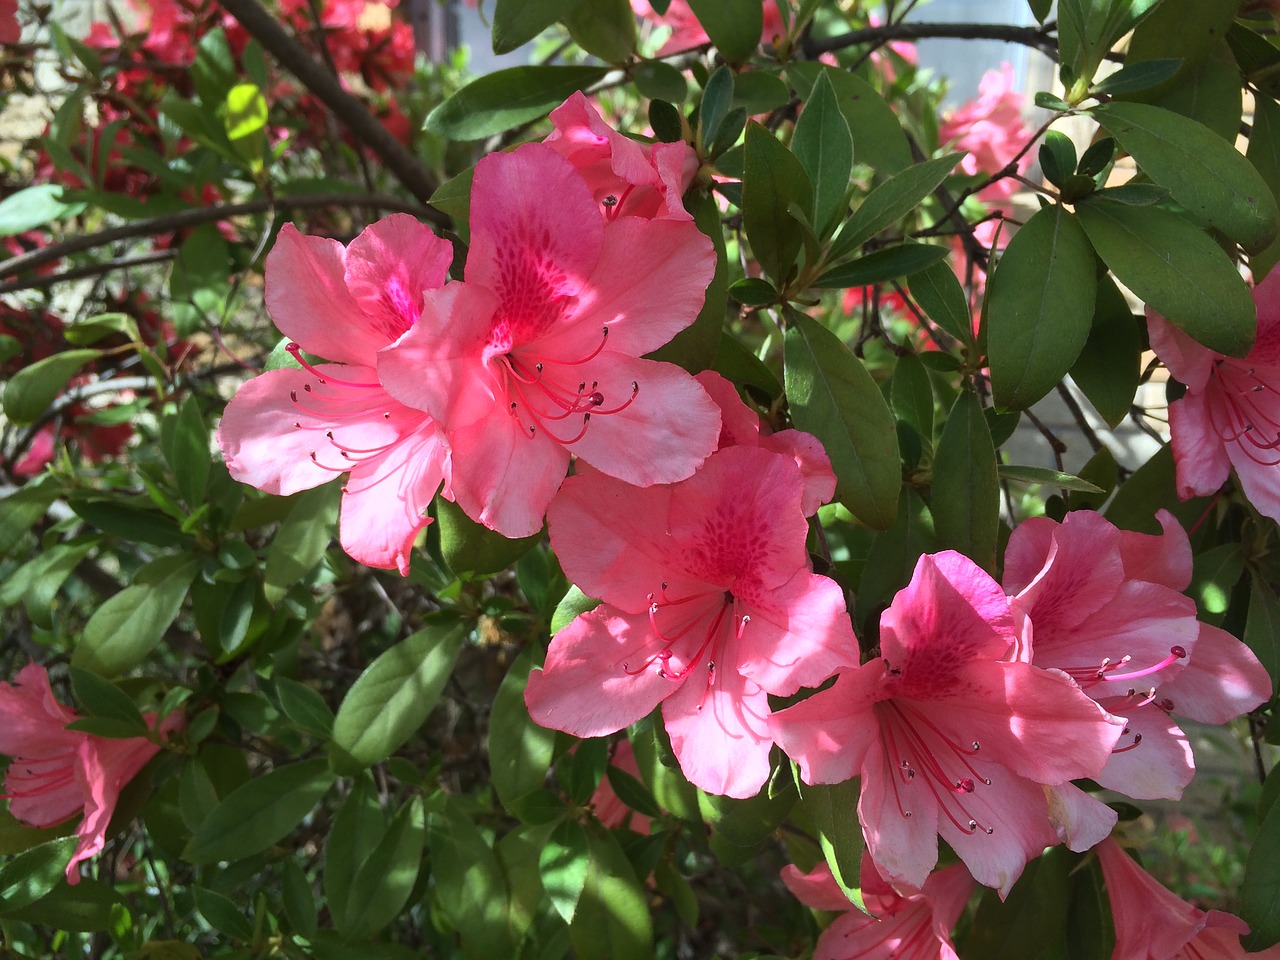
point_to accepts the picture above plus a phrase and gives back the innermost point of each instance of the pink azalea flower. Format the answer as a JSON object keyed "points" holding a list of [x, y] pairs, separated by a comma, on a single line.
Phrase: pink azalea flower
{"points": [[10, 29], [625, 177], [882, 61], [1230, 414], [687, 32], [991, 132], [57, 773], [709, 607], [1153, 924], [608, 806], [740, 426], [293, 429], [948, 734], [537, 354], [1105, 606], [896, 927]]}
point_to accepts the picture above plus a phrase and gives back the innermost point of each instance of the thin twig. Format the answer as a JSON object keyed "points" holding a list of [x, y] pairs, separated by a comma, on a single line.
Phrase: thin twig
{"points": [[89, 270], [1078, 415], [1037, 37]]}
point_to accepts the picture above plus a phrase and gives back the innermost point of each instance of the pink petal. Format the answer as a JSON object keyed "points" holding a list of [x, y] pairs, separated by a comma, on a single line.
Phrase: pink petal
{"points": [[504, 478], [389, 267], [385, 500], [308, 299], [816, 889], [1080, 820], [1163, 558], [1188, 361], [720, 732], [829, 734], [1199, 456], [1257, 470], [1030, 547], [798, 636], [1161, 764], [1222, 680], [1149, 920], [904, 848], [442, 365], [1080, 574], [663, 436], [739, 426], [104, 767], [807, 451], [585, 688]]}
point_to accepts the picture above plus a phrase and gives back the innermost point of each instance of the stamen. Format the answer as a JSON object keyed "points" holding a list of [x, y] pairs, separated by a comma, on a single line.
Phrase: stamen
{"points": [[296, 352]]}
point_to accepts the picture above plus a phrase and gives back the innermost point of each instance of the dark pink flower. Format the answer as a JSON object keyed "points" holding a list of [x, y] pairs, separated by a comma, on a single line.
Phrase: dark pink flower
{"points": [[292, 429], [687, 32], [1153, 924], [537, 354], [896, 927], [56, 773], [625, 177], [1230, 414], [10, 29], [709, 607], [948, 734]]}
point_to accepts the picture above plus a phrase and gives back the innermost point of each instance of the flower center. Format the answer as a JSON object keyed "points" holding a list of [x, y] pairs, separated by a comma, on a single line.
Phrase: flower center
{"points": [[544, 391], [1106, 671]]}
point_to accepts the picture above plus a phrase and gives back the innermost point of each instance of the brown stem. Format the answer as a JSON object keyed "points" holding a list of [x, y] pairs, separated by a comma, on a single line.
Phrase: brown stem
{"points": [[1037, 37]]}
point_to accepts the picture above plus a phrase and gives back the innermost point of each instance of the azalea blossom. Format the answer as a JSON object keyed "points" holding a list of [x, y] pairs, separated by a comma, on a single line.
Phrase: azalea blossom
{"points": [[949, 735], [687, 31], [1230, 414], [1153, 924], [625, 177], [56, 773], [1106, 607], [916, 926], [536, 355], [292, 429], [709, 607]]}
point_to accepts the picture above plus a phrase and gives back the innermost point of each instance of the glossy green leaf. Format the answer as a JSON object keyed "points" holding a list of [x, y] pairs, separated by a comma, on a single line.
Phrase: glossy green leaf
{"points": [[1109, 367], [1215, 573], [505, 99], [454, 195], [85, 908], [516, 22], [32, 389], [186, 447], [33, 207], [472, 550], [832, 396], [1039, 307], [694, 348], [938, 292], [299, 901], [386, 878], [1260, 890], [1176, 269], [757, 91], [891, 201], [1262, 628], [658, 80], [394, 695], [717, 96], [604, 28], [469, 884], [966, 489], [358, 828], [833, 808], [304, 706], [244, 111], [102, 698], [883, 265], [1057, 157], [892, 558], [1203, 172], [30, 875], [1046, 477], [520, 750], [740, 828], [301, 541], [911, 396], [222, 914], [1033, 915], [563, 864], [260, 812], [823, 145], [612, 921], [571, 606], [1264, 154], [734, 26], [878, 140], [774, 179], [1138, 76], [128, 625]]}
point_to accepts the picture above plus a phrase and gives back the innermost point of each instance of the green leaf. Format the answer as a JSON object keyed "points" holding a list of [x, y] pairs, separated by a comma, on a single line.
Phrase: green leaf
{"points": [[299, 901], [740, 828], [516, 22], [878, 138], [130, 624], [472, 550], [1138, 76], [221, 914], [833, 808], [1109, 367], [832, 396], [563, 864], [505, 99], [30, 875], [939, 294], [301, 541], [102, 698], [911, 396], [387, 876], [734, 26], [892, 558], [773, 179], [520, 751], [571, 606], [823, 145], [757, 91], [1264, 154], [604, 28], [33, 207], [358, 828], [259, 813], [186, 447], [1057, 157], [85, 908], [1215, 573], [1039, 307], [883, 266], [1260, 889], [32, 389], [660, 81], [454, 195], [1047, 477], [244, 111], [667, 122], [469, 884], [1204, 173], [891, 201], [1176, 269], [1035, 913], [1262, 628], [102, 325], [394, 695], [966, 489], [612, 921], [304, 706], [717, 95]]}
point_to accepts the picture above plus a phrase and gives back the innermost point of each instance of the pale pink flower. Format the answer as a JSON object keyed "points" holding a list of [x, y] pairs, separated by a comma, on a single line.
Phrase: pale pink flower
{"points": [[1230, 414], [709, 607], [687, 32], [625, 177], [948, 734], [537, 354], [293, 429], [896, 927], [740, 426], [1105, 607], [991, 132], [1153, 924], [56, 773], [882, 61]]}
